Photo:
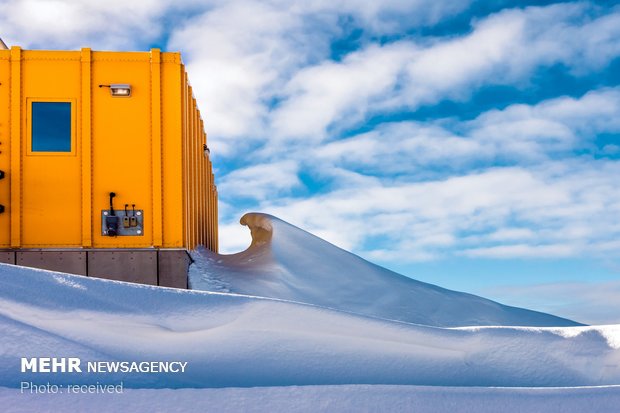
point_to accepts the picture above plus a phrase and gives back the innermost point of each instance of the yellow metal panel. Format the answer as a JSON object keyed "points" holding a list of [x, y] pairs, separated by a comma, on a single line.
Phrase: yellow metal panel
{"points": [[5, 153], [51, 181], [50, 55], [122, 142], [147, 148], [172, 162], [86, 136], [120, 58], [16, 138], [171, 57]]}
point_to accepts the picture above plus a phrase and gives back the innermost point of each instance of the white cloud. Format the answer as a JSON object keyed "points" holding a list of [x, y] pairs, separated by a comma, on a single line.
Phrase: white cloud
{"points": [[261, 181], [504, 48], [518, 133], [404, 147], [319, 95], [523, 250], [552, 210], [242, 53], [559, 124], [442, 69], [511, 234], [113, 24], [387, 16], [237, 53]]}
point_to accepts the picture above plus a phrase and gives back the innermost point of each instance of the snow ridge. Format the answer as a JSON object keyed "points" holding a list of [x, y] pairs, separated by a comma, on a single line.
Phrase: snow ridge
{"points": [[286, 262]]}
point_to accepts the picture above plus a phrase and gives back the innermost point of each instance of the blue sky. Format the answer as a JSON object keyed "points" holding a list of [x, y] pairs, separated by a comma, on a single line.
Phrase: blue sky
{"points": [[470, 144]]}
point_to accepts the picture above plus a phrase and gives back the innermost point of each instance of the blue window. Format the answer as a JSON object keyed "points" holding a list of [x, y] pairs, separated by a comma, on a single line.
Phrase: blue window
{"points": [[51, 126]]}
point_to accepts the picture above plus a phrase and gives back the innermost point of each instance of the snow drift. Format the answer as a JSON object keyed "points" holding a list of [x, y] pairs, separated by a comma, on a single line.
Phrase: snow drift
{"points": [[250, 353], [288, 263], [231, 340]]}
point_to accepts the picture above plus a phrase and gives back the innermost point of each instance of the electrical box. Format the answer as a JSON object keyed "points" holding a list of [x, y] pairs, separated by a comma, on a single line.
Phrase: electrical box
{"points": [[122, 223]]}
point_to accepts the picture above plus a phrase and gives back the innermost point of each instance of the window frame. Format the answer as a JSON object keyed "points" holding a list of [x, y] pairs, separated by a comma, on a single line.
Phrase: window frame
{"points": [[29, 150]]}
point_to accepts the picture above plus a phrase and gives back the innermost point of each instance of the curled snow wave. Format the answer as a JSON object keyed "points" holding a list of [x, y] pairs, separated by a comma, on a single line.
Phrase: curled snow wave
{"points": [[260, 228]]}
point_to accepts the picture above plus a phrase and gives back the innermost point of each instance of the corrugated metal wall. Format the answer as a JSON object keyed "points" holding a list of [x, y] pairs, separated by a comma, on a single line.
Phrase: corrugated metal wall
{"points": [[200, 192]]}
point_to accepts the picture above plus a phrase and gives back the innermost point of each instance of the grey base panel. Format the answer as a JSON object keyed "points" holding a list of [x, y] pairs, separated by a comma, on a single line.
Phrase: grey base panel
{"points": [[73, 262], [7, 257], [173, 268], [163, 267], [131, 266]]}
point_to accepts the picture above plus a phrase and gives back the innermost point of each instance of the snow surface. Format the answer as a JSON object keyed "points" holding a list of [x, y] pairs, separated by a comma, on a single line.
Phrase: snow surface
{"points": [[241, 341], [250, 353], [288, 263], [316, 399]]}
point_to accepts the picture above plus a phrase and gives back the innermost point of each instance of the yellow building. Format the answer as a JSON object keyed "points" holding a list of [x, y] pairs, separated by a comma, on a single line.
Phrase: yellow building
{"points": [[105, 165]]}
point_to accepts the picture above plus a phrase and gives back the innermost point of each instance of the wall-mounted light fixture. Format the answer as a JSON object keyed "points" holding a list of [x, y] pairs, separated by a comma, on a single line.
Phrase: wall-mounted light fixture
{"points": [[119, 90]]}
